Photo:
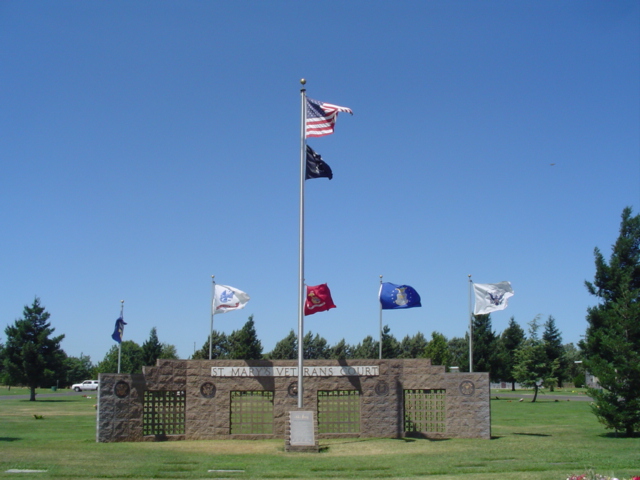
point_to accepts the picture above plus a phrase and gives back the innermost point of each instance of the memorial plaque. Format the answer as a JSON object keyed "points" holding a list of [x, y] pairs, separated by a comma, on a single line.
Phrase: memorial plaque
{"points": [[302, 432]]}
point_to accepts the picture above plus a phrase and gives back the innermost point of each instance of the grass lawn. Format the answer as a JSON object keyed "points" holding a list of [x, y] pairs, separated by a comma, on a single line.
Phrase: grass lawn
{"points": [[543, 440]]}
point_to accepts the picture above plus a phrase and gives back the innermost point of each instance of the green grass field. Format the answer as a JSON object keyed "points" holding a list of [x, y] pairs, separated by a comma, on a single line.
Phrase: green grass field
{"points": [[543, 440]]}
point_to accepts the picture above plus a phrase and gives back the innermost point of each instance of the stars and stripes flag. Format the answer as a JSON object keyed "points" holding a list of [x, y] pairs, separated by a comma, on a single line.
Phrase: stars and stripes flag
{"points": [[321, 117]]}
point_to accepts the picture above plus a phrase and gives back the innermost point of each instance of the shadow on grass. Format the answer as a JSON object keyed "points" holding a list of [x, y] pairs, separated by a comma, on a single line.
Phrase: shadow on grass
{"points": [[325, 447], [618, 435], [9, 439], [532, 434]]}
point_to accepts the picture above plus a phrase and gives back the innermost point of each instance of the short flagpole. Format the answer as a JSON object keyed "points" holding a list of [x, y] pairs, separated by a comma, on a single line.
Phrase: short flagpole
{"points": [[213, 296], [379, 292], [470, 329], [120, 342], [301, 286]]}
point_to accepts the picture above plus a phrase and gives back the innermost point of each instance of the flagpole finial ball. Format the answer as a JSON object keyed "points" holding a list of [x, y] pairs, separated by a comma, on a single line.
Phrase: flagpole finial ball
{"points": [[303, 81]]}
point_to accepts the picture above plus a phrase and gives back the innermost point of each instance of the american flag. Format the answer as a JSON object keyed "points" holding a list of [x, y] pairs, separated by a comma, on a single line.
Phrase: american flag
{"points": [[321, 117]]}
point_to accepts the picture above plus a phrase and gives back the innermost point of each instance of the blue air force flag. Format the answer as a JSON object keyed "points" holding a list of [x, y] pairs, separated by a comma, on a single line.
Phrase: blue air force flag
{"points": [[119, 330], [491, 297], [398, 296]]}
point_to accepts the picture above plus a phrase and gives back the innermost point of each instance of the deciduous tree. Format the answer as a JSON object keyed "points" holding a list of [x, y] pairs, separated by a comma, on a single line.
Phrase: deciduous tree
{"points": [[438, 350], [131, 360], [533, 368]]}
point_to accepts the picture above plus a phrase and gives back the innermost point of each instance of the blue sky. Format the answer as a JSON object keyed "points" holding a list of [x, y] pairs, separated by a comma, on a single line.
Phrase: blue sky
{"points": [[146, 146]]}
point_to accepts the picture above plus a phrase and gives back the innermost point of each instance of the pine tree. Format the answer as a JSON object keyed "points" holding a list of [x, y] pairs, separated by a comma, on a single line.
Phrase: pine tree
{"points": [[314, 347], [285, 349], [511, 339], [390, 346], [553, 347], [219, 347], [413, 347], [341, 350], [244, 343], [31, 356], [612, 341], [151, 348], [484, 346], [369, 348]]}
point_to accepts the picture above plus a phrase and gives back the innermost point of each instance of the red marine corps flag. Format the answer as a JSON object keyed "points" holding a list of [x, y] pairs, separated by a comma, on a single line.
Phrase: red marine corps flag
{"points": [[318, 299]]}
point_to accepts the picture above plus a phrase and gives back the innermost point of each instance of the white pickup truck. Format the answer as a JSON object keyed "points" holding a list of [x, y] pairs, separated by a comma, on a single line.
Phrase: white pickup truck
{"points": [[86, 385]]}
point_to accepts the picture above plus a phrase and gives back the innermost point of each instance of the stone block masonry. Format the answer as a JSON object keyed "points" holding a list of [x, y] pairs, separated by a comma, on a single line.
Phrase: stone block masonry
{"points": [[218, 399]]}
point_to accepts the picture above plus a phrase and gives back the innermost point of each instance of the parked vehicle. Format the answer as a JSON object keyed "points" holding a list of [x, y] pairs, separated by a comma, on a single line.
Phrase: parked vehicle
{"points": [[86, 385]]}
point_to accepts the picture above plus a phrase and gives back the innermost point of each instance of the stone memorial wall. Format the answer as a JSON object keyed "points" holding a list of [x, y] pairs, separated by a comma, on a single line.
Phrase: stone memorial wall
{"points": [[218, 399]]}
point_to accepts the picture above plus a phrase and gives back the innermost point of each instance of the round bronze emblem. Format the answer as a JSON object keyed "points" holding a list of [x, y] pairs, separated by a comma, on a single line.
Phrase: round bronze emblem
{"points": [[121, 389], [208, 390], [293, 389], [382, 388], [467, 388]]}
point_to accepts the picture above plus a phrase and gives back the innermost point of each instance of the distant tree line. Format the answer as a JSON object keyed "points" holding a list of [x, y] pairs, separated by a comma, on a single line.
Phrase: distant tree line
{"points": [[31, 356]]}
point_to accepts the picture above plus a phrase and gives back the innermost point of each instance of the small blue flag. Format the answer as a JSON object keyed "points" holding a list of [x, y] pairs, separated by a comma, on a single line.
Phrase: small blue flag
{"points": [[119, 330], [398, 296]]}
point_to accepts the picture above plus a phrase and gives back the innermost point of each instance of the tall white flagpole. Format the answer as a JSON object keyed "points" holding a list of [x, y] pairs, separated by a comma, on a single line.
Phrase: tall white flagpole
{"points": [[470, 328], [213, 296], [301, 286], [379, 292], [120, 342]]}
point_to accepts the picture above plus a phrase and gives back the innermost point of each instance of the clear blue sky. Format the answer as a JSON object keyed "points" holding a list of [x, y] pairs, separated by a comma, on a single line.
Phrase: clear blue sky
{"points": [[147, 145]]}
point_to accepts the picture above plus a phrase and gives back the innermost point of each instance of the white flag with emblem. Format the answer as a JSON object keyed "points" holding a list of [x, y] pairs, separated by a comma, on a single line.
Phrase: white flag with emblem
{"points": [[228, 298], [491, 297]]}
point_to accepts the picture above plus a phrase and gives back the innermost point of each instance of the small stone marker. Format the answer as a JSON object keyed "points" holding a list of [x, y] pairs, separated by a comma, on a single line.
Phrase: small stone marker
{"points": [[301, 432]]}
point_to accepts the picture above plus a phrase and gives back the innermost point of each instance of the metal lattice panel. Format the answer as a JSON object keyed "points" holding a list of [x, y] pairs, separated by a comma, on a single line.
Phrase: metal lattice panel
{"points": [[425, 411], [252, 412], [339, 411], [163, 412]]}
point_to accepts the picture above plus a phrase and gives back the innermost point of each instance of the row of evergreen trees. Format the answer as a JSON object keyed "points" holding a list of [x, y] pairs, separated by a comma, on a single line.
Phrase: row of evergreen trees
{"points": [[31, 356], [492, 353]]}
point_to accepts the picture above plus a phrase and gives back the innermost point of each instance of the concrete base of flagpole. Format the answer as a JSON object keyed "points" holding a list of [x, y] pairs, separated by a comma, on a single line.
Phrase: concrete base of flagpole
{"points": [[300, 435]]}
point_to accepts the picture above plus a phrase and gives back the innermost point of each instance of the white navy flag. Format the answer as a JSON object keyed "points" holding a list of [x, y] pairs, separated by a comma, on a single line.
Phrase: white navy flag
{"points": [[491, 297], [227, 298]]}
